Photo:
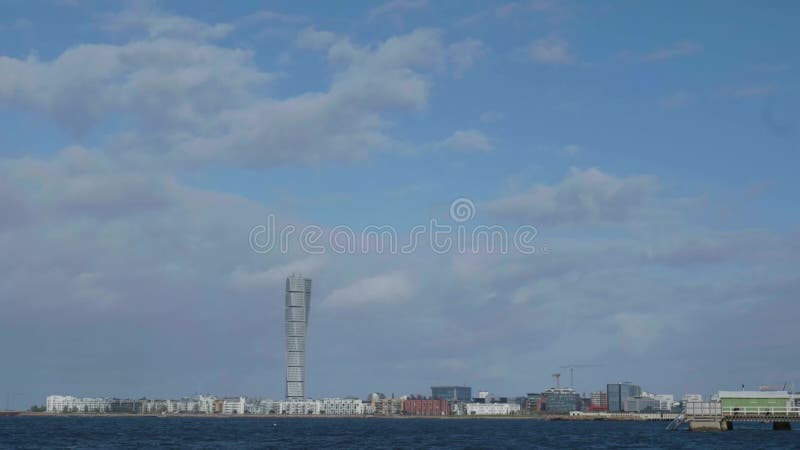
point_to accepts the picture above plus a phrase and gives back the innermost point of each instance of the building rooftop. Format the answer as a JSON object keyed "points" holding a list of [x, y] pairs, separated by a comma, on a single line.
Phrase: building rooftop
{"points": [[753, 394]]}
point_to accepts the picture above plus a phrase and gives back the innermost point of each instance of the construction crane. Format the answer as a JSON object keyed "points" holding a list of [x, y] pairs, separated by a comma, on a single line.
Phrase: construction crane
{"points": [[557, 376], [572, 368]]}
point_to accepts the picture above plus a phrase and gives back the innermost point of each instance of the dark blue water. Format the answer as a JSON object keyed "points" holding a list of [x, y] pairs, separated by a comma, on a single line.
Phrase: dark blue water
{"points": [[116, 432]]}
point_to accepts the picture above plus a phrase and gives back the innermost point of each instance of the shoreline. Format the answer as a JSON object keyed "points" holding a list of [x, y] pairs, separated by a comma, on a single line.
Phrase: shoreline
{"points": [[548, 418]]}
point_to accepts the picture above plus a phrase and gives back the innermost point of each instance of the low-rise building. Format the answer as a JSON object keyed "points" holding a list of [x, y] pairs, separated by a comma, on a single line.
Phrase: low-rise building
{"points": [[388, 406], [259, 406], [743, 401], [426, 407], [491, 409], [233, 405], [70, 404], [154, 406], [533, 402], [342, 406], [206, 404], [298, 407], [599, 401], [182, 406], [561, 400]]}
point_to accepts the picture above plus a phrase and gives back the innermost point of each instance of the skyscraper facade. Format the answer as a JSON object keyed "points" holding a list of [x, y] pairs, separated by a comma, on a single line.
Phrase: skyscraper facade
{"points": [[298, 306], [618, 393], [452, 393]]}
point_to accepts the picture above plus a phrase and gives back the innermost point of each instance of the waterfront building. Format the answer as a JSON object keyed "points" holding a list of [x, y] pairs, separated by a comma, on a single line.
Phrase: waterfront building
{"points": [[755, 400], [182, 405], [298, 407], [599, 401], [154, 406], [586, 404], [259, 406], [369, 409], [533, 402], [666, 402], [561, 400], [617, 393], [342, 406], [452, 393], [640, 404], [491, 409], [233, 405], [298, 306], [70, 404], [388, 406], [426, 407], [206, 404], [124, 406]]}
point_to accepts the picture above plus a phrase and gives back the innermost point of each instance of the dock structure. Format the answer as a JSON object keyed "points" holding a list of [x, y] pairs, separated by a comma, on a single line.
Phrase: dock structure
{"points": [[778, 407]]}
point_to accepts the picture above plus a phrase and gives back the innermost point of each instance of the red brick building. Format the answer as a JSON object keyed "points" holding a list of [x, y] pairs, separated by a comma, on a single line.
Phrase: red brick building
{"points": [[420, 407]]}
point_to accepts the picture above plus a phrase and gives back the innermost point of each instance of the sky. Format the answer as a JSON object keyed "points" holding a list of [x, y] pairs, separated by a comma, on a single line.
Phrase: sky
{"points": [[146, 147]]}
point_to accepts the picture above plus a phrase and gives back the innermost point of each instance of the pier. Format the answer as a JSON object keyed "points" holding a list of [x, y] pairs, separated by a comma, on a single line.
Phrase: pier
{"points": [[713, 416]]}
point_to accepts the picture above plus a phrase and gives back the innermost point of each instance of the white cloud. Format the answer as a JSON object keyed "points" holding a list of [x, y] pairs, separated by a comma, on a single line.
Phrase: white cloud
{"points": [[273, 277], [388, 288], [195, 102], [396, 7], [684, 48], [583, 196], [549, 50], [464, 54], [314, 39], [272, 16], [466, 141], [157, 24], [84, 182]]}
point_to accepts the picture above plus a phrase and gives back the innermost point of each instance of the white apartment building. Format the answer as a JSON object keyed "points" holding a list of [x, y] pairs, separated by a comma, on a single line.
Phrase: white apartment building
{"points": [[154, 406], [233, 405], [342, 406], [182, 405], [259, 406], [205, 404], [298, 407], [68, 403], [491, 409]]}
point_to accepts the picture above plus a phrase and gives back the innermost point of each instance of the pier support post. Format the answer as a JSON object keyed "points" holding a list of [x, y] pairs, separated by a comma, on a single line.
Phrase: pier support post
{"points": [[708, 425], [729, 425], [782, 426]]}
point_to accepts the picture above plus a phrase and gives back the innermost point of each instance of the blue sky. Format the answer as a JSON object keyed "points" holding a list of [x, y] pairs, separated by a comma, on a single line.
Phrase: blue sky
{"points": [[653, 145]]}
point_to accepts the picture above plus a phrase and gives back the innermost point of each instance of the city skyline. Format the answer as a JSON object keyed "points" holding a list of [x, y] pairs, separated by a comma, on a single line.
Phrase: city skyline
{"points": [[636, 159]]}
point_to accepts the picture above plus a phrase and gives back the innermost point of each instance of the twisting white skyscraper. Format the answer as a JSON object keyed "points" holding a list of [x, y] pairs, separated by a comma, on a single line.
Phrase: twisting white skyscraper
{"points": [[298, 306]]}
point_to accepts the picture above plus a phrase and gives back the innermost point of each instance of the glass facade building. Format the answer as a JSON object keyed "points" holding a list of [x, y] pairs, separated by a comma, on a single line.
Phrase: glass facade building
{"points": [[452, 393], [619, 393], [298, 306], [561, 400]]}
